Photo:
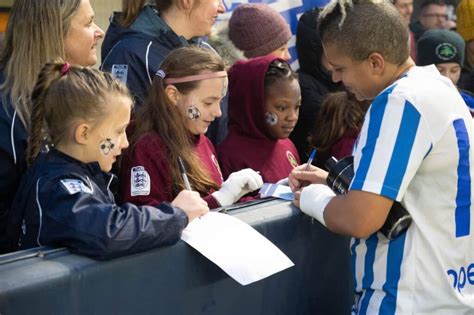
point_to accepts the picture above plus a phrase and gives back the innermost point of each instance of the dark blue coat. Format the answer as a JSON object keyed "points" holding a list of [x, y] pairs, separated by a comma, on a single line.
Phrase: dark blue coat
{"points": [[134, 54], [64, 202], [13, 144]]}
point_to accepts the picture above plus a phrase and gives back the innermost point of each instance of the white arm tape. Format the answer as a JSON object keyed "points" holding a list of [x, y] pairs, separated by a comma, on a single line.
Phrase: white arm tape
{"points": [[314, 199]]}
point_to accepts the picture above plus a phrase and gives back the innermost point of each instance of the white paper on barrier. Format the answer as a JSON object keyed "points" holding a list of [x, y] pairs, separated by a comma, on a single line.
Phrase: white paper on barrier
{"points": [[236, 247]]}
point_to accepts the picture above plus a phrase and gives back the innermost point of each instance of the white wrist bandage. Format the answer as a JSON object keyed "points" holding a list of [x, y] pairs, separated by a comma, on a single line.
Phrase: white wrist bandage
{"points": [[314, 199]]}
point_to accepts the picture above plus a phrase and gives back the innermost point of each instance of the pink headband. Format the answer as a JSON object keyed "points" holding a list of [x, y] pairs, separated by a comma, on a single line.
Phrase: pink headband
{"points": [[197, 77]]}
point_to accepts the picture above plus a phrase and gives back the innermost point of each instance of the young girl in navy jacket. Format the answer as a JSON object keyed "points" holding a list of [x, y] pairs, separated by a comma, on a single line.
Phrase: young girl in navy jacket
{"points": [[183, 101], [264, 102], [64, 198]]}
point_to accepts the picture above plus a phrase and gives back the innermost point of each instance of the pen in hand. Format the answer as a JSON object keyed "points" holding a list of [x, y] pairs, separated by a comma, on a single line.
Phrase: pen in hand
{"points": [[307, 168], [310, 160], [184, 174]]}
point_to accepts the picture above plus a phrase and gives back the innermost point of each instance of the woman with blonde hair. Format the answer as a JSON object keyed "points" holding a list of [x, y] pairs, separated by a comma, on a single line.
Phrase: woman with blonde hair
{"points": [[37, 32]]}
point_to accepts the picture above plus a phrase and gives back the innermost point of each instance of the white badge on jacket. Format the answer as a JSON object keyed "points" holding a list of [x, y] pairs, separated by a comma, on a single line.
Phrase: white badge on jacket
{"points": [[75, 186], [139, 182]]}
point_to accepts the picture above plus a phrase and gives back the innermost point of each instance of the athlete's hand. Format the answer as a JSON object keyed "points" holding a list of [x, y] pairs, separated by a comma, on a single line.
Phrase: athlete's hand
{"points": [[299, 177]]}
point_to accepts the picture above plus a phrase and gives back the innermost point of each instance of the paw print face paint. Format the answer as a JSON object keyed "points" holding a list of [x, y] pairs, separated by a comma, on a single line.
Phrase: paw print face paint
{"points": [[106, 146], [271, 119], [193, 113]]}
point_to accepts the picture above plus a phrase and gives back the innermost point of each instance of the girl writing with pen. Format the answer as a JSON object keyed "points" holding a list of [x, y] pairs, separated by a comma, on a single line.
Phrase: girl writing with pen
{"points": [[183, 102]]}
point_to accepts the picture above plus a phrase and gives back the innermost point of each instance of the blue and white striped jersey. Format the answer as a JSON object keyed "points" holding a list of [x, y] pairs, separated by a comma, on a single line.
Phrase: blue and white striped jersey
{"points": [[416, 147]]}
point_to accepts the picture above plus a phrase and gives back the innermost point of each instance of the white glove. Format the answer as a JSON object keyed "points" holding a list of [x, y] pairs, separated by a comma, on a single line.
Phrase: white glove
{"points": [[238, 184], [314, 199]]}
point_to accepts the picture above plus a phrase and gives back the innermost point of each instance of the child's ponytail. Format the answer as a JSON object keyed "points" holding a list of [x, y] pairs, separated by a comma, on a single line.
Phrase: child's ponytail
{"points": [[65, 94], [51, 72]]}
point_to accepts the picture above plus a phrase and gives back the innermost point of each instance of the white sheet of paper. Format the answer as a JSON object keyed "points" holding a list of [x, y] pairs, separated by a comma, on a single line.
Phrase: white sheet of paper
{"points": [[236, 247]]}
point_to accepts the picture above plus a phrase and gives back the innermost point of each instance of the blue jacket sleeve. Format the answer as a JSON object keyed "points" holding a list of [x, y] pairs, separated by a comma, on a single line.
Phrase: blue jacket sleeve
{"points": [[88, 223], [13, 142]]}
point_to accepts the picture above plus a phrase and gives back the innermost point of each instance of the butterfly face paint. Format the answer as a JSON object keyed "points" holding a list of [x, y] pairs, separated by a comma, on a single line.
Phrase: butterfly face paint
{"points": [[271, 119], [106, 146]]}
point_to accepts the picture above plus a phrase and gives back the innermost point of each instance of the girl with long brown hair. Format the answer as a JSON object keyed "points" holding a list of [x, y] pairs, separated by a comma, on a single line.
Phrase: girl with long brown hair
{"points": [[183, 102]]}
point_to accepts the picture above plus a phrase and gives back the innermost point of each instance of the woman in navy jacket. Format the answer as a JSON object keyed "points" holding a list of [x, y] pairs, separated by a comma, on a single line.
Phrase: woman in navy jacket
{"points": [[140, 37], [47, 29]]}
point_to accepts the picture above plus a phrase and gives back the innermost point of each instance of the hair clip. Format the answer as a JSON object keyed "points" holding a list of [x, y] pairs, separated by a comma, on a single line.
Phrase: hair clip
{"points": [[160, 73], [65, 68]]}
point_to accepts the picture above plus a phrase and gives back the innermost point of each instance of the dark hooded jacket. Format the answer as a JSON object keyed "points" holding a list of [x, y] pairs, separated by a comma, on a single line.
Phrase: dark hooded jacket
{"points": [[466, 81], [64, 202], [134, 54], [249, 144], [315, 81], [13, 144], [417, 29]]}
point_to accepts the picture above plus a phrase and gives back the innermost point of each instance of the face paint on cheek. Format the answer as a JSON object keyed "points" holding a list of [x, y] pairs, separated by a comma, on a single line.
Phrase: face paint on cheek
{"points": [[106, 146], [193, 113], [271, 119]]}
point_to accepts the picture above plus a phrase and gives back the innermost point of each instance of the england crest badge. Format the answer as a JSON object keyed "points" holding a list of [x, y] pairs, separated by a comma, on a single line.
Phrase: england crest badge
{"points": [[139, 182]]}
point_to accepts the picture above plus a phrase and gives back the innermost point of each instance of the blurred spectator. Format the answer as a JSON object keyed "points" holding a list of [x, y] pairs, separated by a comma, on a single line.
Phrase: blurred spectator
{"points": [[444, 49], [433, 15], [338, 125], [258, 30], [405, 7], [315, 80], [465, 27]]}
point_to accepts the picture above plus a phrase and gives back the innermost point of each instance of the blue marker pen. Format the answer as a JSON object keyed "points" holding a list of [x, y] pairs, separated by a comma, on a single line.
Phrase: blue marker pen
{"points": [[310, 160]]}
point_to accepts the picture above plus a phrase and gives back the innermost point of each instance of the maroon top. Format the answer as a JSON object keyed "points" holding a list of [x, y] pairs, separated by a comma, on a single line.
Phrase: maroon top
{"points": [[146, 175], [343, 147], [249, 144]]}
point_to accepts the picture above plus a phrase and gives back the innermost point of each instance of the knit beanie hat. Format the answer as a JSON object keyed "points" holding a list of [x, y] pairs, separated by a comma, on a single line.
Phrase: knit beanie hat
{"points": [[257, 29], [439, 46], [465, 19]]}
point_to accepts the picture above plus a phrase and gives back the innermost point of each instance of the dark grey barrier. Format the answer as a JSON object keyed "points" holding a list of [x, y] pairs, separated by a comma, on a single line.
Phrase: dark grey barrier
{"points": [[178, 280]]}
